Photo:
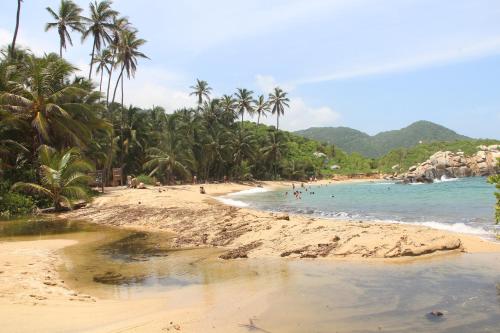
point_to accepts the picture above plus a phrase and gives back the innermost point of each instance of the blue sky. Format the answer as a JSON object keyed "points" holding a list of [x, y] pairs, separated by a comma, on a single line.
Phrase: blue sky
{"points": [[371, 65]]}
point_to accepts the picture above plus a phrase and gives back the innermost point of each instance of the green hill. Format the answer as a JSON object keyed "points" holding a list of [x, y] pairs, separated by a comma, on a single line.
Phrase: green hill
{"points": [[351, 140]]}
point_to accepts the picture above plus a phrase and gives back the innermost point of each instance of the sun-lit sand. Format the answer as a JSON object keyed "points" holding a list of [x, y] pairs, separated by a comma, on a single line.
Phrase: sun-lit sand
{"points": [[34, 298]]}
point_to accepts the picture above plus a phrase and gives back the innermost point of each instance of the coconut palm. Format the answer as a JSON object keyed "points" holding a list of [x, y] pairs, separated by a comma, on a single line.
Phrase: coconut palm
{"points": [[14, 38], [103, 63], [67, 17], [48, 104], [261, 107], [244, 102], [243, 145], [62, 177], [228, 106], [278, 100], [128, 54], [201, 90], [172, 157], [100, 26], [120, 24], [274, 150]]}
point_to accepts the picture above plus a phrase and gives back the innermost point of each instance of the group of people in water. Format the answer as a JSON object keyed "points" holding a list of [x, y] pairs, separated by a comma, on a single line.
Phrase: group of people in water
{"points": [[298, 193]]}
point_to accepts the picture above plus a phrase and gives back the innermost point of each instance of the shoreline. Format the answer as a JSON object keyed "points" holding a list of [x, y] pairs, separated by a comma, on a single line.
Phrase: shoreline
{"points": [[32, 285], [200, 220]]}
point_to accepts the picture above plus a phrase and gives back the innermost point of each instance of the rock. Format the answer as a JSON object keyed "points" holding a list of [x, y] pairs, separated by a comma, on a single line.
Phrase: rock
{"points": [[455, 165]]}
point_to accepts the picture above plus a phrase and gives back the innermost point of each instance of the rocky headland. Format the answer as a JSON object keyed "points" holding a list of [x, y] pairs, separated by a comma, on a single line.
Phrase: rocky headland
{"points": [[449, 164]]}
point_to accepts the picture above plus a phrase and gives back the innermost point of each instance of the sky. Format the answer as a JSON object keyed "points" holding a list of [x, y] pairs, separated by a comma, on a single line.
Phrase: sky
{"points": [[370, 65]]}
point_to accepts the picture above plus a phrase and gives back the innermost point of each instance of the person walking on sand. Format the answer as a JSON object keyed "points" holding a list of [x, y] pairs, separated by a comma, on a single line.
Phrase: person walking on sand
{"points": [[195, 180]]}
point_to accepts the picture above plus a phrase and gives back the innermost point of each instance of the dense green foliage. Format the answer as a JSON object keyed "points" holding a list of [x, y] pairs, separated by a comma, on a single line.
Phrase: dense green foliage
{"points": [[13, 204], [378, 145], [496, 181]]}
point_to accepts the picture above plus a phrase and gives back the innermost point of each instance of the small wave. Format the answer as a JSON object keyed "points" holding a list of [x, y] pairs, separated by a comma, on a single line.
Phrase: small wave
{"points": [[250, 191], [232, 202], [461, 228], [444, 179]]}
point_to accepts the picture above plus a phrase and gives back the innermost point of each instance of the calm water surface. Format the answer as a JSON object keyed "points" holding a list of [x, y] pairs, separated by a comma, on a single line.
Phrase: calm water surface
{"points": [[305, 296], [462, 205]]}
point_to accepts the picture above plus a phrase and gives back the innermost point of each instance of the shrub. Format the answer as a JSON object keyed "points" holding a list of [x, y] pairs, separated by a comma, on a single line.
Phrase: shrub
{"points": [[15, 204], [147, 180]]}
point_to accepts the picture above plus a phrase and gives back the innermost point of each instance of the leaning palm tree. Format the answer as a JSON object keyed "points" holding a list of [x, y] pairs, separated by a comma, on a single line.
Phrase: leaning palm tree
{"points": [[261, 107], [244, 102], [127, 54], [67, 17], [201, 90], [278, 101], [14, 38], [120, 24], [102, 61], [62, 176], [100, 25]]}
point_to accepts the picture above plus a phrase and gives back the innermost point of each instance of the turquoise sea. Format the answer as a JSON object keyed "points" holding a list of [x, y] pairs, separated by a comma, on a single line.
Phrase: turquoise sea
{"points": [[462, 205]]}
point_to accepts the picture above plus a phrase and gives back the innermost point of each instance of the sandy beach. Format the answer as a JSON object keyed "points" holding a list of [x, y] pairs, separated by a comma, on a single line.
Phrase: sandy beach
{"points": [[30, 286], [199, 220]]}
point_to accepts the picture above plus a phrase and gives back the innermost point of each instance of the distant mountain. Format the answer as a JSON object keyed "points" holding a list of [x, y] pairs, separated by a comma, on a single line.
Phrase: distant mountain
{"points": [[352, 140]]}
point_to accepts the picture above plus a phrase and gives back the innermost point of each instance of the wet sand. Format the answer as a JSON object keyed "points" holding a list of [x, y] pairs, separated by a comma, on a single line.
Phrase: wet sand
{"points": [[256, 295], [198, 220]]}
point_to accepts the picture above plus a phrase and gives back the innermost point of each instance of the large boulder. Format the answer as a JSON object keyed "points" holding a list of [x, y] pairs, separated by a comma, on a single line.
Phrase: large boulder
{"points": [[455, 165]]}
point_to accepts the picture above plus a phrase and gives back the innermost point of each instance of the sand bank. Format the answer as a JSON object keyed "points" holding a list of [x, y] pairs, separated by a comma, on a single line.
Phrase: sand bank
{"points": [[198, 220]]}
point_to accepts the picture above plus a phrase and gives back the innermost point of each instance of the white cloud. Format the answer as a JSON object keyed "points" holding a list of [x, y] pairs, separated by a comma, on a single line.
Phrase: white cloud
{"points": [[301, 115], [267, 83], [155, 85], [480, 49]]}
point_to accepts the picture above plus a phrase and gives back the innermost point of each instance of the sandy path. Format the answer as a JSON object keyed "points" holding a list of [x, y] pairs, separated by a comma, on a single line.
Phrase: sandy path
{"points": [[200, 221]]}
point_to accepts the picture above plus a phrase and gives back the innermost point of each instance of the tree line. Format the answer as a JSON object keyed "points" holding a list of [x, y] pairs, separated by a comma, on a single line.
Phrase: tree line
{"points": [[56, 126]]}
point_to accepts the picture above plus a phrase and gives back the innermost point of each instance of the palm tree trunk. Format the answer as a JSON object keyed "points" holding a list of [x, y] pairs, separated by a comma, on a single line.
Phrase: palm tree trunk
{"points": [[100, 83], [92, 60], [109, 80], [121, 129], [117, 81], [258, 119], [60, 50], [13, 47], [277, 121]]}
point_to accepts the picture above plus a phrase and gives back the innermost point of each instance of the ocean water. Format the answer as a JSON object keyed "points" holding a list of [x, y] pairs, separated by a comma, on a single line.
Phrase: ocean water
{"points": [[462, 205]]}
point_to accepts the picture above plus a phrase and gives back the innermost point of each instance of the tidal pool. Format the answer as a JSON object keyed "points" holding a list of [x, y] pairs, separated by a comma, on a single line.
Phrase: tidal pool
{"points": [[290, 295]]}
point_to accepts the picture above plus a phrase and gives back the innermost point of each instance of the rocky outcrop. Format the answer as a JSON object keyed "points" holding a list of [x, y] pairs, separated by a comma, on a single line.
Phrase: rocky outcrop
{"points": [[455, 165]]}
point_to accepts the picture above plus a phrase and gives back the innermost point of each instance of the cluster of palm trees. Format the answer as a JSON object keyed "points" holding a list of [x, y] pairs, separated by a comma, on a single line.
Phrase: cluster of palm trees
{"points": [[56, 126], [243, 101], [115, 44]]}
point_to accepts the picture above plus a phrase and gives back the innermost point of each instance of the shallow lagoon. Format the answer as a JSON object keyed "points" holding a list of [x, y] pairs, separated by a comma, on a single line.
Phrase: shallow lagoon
{"points": [[300, 295]]}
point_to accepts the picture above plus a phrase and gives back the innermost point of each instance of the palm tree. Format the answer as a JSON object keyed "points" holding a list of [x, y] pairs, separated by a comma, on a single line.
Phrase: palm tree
{"points": [[274, 150], [243, 147], [100, 25], [68, 17], [128, 54], [49, 105], [244, 102], [63, 177], [201, 90], [172, 157], [102, 61], [228, 106], [261, 107], [278, 101], [14, 38], [120, 24]]}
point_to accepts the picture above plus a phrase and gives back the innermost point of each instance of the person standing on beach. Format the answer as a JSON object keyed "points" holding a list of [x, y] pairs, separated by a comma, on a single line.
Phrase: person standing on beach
{"points": [[195, 180]]}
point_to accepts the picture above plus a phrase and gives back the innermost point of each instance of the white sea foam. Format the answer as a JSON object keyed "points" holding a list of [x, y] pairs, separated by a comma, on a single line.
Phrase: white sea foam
{"points": [[250, 191], [461, 228], [445, 179], [232, 202]]}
